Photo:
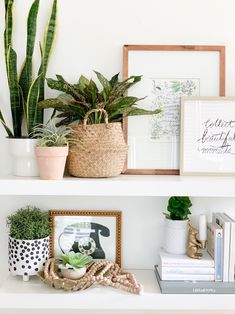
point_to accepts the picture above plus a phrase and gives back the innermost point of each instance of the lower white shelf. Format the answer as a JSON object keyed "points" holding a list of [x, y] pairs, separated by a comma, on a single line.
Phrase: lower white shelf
{"points": [[16, 294]]}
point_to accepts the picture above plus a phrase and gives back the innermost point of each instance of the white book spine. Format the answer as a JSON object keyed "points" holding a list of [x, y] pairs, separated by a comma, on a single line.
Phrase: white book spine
{"points": [[218, 218], [232, 248], [188, 270], [215, 248], [191, 277]]}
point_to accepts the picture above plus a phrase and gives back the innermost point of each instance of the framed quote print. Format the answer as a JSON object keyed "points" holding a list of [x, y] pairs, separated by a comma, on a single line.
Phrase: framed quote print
{"points": [[208, 136], [90, 232], [168, 73]]}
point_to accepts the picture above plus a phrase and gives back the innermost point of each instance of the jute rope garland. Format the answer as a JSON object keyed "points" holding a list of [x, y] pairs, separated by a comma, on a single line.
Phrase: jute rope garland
{"points": [[103, 273]]}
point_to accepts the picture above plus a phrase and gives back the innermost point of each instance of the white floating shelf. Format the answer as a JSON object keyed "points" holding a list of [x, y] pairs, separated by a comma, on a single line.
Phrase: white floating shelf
{"points": [[16, 294], [123, 185]]}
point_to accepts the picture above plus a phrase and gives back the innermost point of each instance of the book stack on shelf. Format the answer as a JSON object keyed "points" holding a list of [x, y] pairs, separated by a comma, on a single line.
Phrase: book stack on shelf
{"points": [[213, 273]]}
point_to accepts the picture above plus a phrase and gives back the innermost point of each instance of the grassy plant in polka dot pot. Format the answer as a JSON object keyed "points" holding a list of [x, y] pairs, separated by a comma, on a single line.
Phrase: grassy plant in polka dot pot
{"points": [[28, 246]]}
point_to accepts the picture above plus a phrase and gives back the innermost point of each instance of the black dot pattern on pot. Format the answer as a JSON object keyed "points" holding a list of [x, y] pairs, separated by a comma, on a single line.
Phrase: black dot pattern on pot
{"points": [[27, 257]]}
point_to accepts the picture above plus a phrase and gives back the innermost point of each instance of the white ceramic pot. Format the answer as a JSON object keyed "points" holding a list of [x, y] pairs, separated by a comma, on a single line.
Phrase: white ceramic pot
{"points": [[73, 273], [27, 257], [24, 159], [176, 236]]}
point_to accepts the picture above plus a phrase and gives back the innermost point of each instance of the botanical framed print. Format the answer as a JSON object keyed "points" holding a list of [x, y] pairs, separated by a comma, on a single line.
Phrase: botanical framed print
{"points": [[168, 73], [208, 136], [94, 233]]}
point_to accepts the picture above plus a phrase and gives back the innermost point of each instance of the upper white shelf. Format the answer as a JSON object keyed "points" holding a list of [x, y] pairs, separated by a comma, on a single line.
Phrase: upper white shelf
{"points": [[16, 294], [123, 185]]}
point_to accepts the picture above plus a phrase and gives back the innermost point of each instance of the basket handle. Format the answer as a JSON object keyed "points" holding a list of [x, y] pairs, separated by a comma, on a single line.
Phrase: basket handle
{"points": [[96, 110]]}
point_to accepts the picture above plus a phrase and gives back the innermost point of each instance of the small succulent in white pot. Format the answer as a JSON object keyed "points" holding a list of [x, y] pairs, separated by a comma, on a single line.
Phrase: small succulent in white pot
{"points": [[73, 265], [28, 245], [52, 149]]}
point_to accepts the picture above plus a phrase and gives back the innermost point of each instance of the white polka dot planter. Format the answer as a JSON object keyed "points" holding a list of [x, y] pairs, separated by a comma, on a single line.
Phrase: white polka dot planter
{"points": [[27, 257]]}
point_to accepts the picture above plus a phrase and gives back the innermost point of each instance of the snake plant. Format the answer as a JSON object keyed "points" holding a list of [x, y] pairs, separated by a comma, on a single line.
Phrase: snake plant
{"points": [[78, 99], [25, 91]]}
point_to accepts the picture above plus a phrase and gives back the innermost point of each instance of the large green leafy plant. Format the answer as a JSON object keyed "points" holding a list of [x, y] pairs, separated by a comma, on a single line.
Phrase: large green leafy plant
{"points": [[178, 207], [29, 223], [77, 99], [25, 91]]}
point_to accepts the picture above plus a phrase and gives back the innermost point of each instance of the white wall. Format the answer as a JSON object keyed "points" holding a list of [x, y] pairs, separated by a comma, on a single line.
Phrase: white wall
{"points": [[90, 36]]}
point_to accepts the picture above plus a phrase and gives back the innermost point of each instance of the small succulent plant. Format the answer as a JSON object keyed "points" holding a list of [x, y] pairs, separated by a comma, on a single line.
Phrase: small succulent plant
{"points": [[72, 260], [48, 135], [178, 208]]}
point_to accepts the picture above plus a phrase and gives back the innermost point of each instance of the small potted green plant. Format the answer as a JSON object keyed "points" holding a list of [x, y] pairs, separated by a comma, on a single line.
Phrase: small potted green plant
{"points": [[176, 224], [73, 265], [96, 111], [51, 150], [28, 245]]}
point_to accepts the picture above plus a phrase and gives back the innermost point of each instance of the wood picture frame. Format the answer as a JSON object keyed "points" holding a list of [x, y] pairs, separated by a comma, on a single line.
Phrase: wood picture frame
{"points": [[207, 136], [91, 232], [165, 64]]}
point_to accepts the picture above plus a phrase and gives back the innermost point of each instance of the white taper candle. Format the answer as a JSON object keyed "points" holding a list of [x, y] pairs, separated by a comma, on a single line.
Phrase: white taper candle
{"points": [[202, 228]]}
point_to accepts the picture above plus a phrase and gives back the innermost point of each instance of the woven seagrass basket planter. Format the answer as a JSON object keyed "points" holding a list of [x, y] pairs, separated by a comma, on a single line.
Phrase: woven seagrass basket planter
{"points": [[100, 149]]}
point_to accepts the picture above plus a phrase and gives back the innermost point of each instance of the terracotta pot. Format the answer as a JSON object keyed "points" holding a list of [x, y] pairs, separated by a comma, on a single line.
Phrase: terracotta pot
{"points": [[51, 162], [24, 159], [73, 273]]}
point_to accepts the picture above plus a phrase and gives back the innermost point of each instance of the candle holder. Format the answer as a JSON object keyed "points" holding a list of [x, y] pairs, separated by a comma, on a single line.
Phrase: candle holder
{"points": [[203, 243]]}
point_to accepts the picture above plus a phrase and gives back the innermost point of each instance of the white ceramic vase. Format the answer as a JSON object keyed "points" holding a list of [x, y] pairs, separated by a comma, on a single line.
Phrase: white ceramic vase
{"points": [[27, 257], [176, 236], [73, 273], [24, 159]]}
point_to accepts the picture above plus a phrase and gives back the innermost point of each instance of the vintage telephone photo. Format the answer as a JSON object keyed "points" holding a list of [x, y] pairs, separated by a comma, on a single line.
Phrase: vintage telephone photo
{"points": [[84, 237]]}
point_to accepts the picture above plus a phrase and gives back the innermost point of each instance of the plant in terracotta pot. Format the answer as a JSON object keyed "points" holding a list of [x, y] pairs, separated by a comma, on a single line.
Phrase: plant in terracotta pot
{"points": [[25, 91], [96, 115], [28, 244], [176, 224], [73, 265], [51, 149]]}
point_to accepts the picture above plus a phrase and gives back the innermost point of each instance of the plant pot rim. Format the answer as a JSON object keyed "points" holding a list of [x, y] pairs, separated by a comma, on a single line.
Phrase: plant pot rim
{"points": [[30, 239]]}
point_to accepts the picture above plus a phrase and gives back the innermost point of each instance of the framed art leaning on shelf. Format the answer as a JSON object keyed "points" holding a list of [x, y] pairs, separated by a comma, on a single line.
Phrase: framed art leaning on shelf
{"points": [[90, 232], [208, 136], [168, 73]]}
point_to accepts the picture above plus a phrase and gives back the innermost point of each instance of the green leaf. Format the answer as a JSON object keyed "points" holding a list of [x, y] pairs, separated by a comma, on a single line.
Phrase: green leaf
{"points": [[114, 80], [9, 132], [25, 79], [134, 111], [31, 104], [82, 82], [8, 26], [16, 108], [105, 83], [49, 38]]}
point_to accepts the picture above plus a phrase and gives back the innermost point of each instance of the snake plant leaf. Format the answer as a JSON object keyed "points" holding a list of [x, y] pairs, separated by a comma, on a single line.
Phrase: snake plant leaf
{"points": [[48, 42], [31, 105], [25, 79], [7, 129], [8, 27], [16, 108]]}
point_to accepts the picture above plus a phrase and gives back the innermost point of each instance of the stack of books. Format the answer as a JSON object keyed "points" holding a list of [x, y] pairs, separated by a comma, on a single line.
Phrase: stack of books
{"points": [[221, 246], [182, 267], [213, 273]]}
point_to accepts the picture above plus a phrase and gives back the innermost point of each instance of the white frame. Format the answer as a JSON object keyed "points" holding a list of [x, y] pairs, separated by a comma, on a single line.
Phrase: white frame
{"points": [[166, 62], [205, 147]]}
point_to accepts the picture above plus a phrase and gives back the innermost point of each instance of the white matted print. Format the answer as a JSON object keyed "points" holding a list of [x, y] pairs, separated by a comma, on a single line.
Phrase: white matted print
{"points": [[168, 72], [94, 233], [208, 136]]}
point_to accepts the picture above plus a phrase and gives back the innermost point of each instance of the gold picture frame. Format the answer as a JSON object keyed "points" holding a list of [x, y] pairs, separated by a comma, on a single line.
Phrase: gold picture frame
{"points": [[153, 142], [92, 232]]}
